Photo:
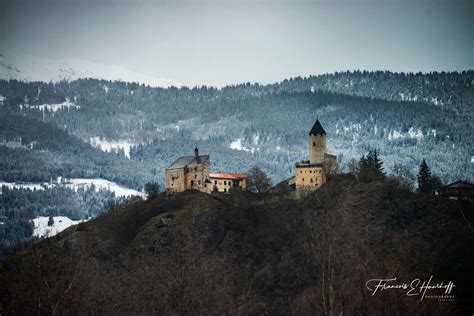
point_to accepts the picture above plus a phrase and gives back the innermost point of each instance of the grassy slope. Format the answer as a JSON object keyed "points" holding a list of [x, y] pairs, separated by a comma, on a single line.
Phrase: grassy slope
{"points": [[239, 254]]}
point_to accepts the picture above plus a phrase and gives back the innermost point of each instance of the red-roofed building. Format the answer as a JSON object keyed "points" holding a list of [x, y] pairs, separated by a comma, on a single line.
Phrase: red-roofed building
{"points": [[223, 181]]}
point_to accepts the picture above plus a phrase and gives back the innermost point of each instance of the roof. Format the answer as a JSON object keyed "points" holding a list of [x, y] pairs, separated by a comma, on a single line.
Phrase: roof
{"points": [[306, 164], [326, 155], [182, 162], [460, 184], [224, 175], [317, 129]]}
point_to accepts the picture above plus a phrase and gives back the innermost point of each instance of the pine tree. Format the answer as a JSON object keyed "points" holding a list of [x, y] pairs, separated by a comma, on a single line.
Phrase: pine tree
{"points": [[50, 221], [424, 178], [378, 165], [370, 168], [152, 188]]}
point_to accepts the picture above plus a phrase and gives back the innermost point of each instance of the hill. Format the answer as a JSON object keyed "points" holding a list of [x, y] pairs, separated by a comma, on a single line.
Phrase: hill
{"points": [[251, 124], [35, 151], [193, 253]]}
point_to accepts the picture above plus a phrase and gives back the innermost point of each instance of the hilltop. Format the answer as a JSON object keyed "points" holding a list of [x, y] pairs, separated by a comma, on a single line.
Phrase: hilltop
{"points": [[194, 253]]}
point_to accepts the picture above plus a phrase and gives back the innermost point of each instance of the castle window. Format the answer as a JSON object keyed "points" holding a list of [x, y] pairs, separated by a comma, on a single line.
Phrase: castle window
{"points": [[192, 183], [199, 182], [314, 144], [195, 169], [225, 182], [215, 181], [311, 180], [225, 190], [303, 179]]}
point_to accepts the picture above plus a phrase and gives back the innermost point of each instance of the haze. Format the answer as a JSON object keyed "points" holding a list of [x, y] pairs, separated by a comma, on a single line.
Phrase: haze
{"points": [[225, 42]]}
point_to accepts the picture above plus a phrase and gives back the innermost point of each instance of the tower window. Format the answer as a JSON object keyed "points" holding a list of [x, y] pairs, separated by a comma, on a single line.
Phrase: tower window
{"points": [[314, 144]]}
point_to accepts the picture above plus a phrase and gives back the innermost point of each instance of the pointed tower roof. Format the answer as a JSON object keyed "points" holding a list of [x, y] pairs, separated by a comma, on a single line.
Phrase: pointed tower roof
{"points": [[317, 129]]}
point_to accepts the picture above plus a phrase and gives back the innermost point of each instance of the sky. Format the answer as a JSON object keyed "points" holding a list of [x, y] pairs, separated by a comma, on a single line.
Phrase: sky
{"points": [[226, 42]]}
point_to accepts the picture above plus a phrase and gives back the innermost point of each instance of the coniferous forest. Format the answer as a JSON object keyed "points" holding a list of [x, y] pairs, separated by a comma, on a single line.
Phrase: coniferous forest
{"points": [[50, 130]]}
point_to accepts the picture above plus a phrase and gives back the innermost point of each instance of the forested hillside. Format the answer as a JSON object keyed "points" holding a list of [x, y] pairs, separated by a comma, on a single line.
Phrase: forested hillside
{"points": [[35, 151], [129, 133], [193, 253], [406, 117]]}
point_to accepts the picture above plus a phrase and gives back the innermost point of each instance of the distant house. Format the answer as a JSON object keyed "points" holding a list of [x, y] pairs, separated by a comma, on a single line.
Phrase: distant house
{"points": [[458, 190], [224, 182]]}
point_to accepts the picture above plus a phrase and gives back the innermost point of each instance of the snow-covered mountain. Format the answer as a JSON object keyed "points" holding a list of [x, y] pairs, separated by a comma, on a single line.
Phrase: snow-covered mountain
{"points": [[24, 67]]}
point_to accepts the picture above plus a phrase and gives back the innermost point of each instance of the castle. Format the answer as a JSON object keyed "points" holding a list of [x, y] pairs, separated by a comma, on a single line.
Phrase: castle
{"points": [[311, 174], [192, 172]]}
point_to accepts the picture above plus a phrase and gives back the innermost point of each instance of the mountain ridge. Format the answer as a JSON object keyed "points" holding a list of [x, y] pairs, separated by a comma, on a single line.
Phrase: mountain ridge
{"points": [[23, 67]]}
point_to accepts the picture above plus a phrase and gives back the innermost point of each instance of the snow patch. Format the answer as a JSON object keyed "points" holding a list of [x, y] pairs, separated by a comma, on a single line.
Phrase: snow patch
{"points": [[75, 184], [256, 137], [42, 230], [2, 98], [28, 186], [412, 133], [103, 184], [52, 107], [237, 145], [109, 146]]}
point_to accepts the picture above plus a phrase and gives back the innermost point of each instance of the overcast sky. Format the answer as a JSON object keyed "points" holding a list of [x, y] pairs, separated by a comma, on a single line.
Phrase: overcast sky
{"points": [[221, 42]]}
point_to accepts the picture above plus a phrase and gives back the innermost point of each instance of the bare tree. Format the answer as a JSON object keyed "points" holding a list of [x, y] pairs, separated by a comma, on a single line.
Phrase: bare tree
{"points": [[258, 180]]}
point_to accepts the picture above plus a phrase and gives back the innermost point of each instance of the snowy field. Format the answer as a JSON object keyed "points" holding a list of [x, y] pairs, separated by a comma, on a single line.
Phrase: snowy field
{"points": [[41, 228], [103, 184], [77, 183]]}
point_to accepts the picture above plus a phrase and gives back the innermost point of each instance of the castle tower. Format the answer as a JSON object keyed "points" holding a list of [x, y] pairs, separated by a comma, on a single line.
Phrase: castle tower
{"points": [[317, 143]]}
